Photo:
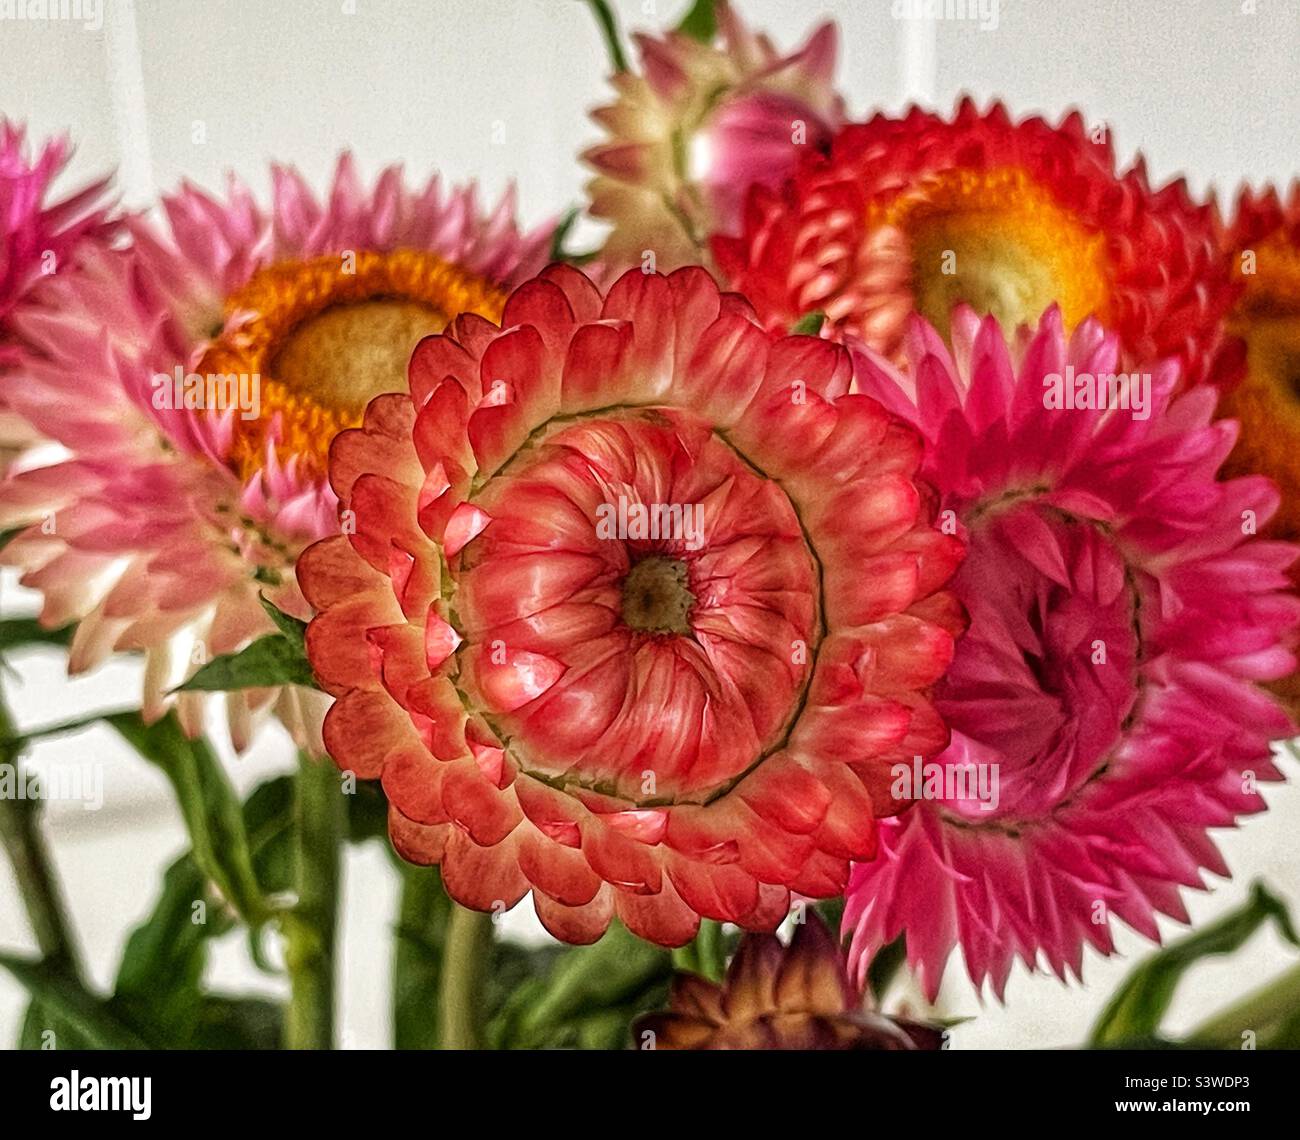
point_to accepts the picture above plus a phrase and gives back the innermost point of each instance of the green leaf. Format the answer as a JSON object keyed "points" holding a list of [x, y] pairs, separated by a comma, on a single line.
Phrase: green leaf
{"points": [[211, 811], [268, 821], [585, 996], [238, 1023], [18, 633], [562, 230], [810, 324], [94, 1021], [295, 629], [885, 965], [162, 964], [1137, 1008], [265, 663], [159, 980], [701, 22]]}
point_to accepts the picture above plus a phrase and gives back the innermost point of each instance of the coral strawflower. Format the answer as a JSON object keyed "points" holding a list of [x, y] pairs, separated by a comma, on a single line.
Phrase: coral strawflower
{"points": [[913, 214], [699, 125], [1105, 704], [634, 607], [197, 379]]}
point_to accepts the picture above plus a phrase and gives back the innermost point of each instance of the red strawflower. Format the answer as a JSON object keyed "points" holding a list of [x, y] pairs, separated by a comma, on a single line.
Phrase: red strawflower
{"points": [[918, 213]]}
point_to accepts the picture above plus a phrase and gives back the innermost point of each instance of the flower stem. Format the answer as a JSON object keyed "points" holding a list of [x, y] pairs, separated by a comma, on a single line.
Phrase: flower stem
{"points": [[310, 928], [417, 958], [609, 30], [464, 969], [33, 868]]}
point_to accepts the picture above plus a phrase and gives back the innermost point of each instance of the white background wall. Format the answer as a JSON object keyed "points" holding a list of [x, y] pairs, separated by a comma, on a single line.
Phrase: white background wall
{"points": [[1201, 86]]}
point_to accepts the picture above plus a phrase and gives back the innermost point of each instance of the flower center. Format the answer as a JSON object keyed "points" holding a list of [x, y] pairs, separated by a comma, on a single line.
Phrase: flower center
{"points": [[325, 336], [1000, 243], [1056, 656], [656, 596]]}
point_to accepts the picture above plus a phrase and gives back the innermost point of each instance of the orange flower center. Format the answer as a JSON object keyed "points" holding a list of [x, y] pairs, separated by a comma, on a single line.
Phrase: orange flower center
{"points": [[999, 242], [1267, 402], [327, 335]]}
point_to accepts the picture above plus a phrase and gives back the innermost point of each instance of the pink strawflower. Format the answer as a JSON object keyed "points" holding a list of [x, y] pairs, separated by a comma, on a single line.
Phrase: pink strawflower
{"points": [[699, 126], [39, 236], [165, 522], [1122, 615]]}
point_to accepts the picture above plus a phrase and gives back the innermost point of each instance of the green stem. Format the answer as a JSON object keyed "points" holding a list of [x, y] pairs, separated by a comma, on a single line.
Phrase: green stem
{"points": [[609, 30], [417, 958], [1274, 1004], [310, 929], [33, 868], [464, 969]]}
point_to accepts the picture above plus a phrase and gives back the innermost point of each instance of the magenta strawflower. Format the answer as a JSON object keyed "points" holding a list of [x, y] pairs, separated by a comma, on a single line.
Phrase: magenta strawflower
{"points": [[40, 236], [1104, 704]]}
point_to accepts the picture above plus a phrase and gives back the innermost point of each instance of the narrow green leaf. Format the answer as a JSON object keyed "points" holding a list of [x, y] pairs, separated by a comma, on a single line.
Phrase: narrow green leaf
{"points": [[163, 959], [265, 663], [1137, 1008], [18, 633], [562, 230], [93, 1020], [40, 1020], [701, 22], [609, 30], [810, 324], [208, 804], [574, 999], [295, 629]]}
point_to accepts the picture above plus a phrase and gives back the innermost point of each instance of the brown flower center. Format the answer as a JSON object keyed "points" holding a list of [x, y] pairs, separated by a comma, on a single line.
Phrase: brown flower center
{"points": [[656, 596], [327, 335]]}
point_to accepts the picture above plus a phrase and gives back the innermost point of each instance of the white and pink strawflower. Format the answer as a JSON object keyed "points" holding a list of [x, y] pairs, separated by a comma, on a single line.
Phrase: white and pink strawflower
{"points": [[196, 380], [696, 128]]}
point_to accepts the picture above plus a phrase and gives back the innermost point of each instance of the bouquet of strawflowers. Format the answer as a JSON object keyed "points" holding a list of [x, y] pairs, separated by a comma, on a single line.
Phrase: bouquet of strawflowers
{"points": [[881, 546]]}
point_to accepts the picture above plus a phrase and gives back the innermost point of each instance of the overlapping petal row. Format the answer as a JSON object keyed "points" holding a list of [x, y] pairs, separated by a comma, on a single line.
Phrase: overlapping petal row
{"points": [[655, 726], [913, 214], [1123, 615], [696, 128], [164, 523]]}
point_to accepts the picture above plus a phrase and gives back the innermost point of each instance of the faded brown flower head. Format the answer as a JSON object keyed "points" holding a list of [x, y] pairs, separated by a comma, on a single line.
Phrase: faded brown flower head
{"points": [[778, 997]]}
